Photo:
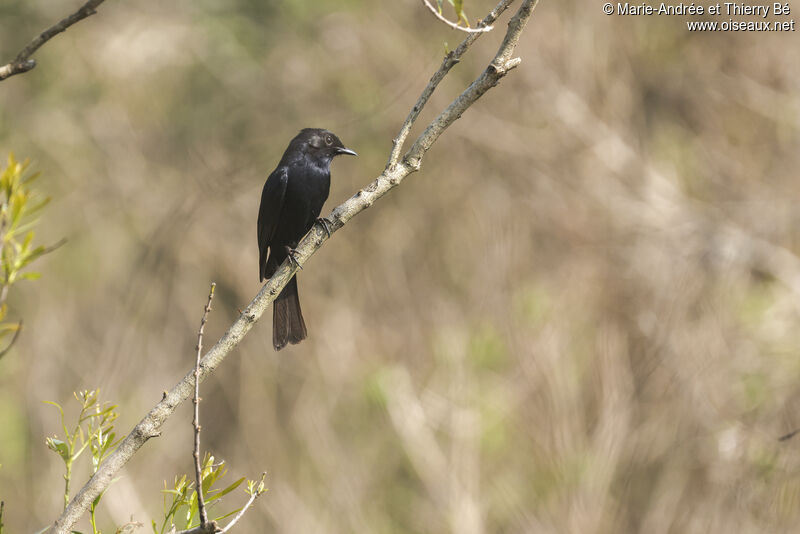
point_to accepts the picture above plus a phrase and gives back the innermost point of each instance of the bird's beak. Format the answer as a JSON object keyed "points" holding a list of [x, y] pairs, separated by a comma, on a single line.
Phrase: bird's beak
{"points": [[346, 151]]}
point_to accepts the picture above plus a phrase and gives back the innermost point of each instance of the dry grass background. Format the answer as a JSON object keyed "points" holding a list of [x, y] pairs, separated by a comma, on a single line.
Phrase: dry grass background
{"points": [[580, 316]]}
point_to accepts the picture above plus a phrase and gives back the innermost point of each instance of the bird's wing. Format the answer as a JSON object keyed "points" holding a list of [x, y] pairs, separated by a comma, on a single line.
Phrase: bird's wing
{"points": [[269, 213]]}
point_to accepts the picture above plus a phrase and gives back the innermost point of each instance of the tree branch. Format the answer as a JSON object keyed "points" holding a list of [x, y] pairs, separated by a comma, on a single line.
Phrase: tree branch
{"points": [[23, 63], [449, 61], [198, 469], [455, 25], [363, 199]]}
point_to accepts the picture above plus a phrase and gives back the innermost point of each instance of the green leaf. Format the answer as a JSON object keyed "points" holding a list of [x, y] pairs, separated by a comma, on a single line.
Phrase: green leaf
{"points": [[31, 178], [58, 446], [109, 442], [6, 328], [220, 518], [217, 494], [79, 451], [458, 5], [26, 243], [28, 257]]}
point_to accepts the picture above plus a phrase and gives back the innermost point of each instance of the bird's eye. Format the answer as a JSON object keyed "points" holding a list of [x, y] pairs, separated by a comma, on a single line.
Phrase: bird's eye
{"points": [[328, 140]]}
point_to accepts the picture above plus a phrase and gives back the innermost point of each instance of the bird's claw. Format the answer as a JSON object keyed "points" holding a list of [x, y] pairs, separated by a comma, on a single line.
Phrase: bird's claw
{"points": [[290, 254], [326, 225]]}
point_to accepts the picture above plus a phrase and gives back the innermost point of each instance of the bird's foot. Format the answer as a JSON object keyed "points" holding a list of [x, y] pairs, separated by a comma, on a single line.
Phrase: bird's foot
{"points": [[326, 225], [290, 254]]}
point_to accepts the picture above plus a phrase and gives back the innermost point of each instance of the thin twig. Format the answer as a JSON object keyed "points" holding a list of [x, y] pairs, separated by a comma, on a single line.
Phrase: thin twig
{"points": [[13, 340], [455, 25], [390, 178], [449, 61], [501, 65], [253, 496], [23, 63], [198, 469]]}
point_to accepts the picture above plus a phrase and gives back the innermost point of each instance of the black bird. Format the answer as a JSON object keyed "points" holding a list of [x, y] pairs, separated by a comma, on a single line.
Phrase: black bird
{"points": [[290, 204]]}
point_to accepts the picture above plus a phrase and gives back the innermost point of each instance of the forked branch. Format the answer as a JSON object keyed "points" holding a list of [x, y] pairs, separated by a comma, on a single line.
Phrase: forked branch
{"points": [[395, 172]]}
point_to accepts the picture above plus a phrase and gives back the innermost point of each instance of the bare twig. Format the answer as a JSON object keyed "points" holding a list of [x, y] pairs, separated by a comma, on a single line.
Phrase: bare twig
{"points": [[149, 426], [258, 490], [455, 25], [13, 340], [23, 63], [449, 61], [198, 469]]}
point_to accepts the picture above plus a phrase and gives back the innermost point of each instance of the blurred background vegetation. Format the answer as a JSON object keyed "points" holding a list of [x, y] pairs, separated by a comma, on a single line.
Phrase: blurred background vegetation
{"points": [[580, 316]]}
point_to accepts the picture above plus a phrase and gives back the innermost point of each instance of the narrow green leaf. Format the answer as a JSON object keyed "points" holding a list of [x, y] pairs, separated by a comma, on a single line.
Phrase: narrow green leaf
{"points": [[31, 177], [7, 328], [220, 518], [59, 447], [217, 494], [459, 7]]}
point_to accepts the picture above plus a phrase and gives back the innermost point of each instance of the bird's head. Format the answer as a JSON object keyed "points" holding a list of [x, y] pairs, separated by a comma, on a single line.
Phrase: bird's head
{"points": [[320, 144]]}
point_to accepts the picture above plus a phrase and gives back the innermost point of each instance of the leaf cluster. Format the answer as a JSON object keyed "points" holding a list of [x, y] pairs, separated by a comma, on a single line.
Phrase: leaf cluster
{"points": [[93, 431], [20, 208], [180, 501]]}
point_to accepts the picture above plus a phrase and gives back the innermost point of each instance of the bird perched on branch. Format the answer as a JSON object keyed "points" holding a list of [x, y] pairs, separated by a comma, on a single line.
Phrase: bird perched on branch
{"points": [[290, 205]]}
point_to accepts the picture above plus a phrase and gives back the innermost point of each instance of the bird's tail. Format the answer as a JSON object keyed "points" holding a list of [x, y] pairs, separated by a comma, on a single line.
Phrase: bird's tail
{"points": [[287, 319]]}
